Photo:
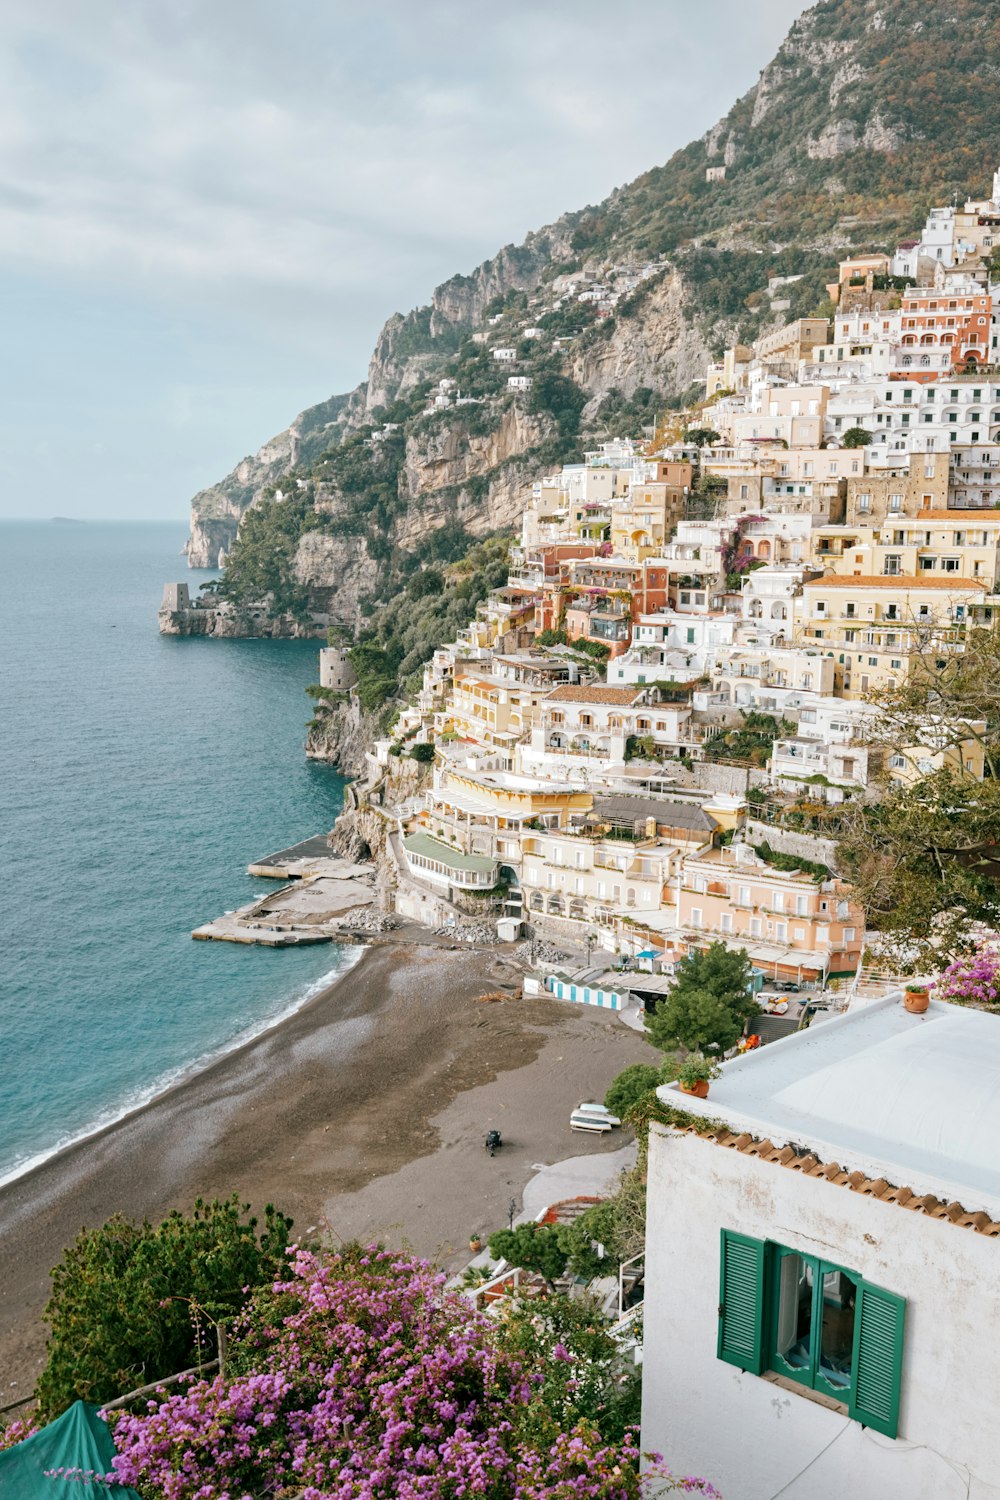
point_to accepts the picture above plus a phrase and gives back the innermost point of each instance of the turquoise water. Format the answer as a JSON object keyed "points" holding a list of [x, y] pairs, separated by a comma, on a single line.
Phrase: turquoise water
{"points": [[139, 775]]}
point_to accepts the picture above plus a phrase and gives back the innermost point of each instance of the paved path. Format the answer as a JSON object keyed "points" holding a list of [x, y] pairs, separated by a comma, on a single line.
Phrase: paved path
{"points": [[577, 1177]]}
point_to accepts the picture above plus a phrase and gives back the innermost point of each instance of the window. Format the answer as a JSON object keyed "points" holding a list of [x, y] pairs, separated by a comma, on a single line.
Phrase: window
{"points": [[726, 921], [812, 1322], [695, 917]]}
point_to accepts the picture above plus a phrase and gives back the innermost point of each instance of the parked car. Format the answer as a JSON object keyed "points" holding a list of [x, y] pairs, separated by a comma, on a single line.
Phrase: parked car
{"points": [[596, 1124]]}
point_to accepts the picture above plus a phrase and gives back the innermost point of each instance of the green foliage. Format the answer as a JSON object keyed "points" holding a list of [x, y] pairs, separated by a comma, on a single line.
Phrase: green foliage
{"points": [[595, 1227], [922, 862], [533, 1247], [391, 652], [856, 437], [750, 744], [559, 397], [123, 1297], [709, 1003], [422, 752], [702, 437], [631, 1085], [552, 638], [697, 1068], [778, 860], [259, 566], [583, 1377], [640, 747]]}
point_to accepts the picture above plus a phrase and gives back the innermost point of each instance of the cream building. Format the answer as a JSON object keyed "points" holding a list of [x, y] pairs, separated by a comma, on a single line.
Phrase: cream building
{"points": [[869, 624]]}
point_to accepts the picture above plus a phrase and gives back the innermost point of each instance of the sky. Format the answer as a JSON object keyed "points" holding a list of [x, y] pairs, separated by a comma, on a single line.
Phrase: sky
{"points": [[208, 208]]}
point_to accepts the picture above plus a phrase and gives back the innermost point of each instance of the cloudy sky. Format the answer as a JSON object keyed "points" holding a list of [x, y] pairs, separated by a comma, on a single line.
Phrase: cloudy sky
{"points": [[209, 207]]}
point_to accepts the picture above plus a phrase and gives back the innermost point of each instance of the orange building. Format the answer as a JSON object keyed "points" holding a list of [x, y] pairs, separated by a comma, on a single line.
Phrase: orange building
{"points": [[946, 319], [791, 923]]}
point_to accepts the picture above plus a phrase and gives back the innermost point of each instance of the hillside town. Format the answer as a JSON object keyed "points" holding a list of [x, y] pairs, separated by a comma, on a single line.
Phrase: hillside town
{"points": [[647, 739]]}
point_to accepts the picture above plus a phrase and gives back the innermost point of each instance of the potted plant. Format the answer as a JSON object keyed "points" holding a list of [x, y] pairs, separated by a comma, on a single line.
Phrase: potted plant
{"points": [[916, 999], [475, 1243], [694, 1074]]}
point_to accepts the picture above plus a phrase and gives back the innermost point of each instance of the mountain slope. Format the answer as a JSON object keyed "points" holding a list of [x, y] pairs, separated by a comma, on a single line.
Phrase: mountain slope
{"points": [[869, 112]]}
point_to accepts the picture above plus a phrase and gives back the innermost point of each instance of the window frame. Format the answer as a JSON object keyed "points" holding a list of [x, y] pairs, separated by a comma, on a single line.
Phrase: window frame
{"points": [[747, 1328]]}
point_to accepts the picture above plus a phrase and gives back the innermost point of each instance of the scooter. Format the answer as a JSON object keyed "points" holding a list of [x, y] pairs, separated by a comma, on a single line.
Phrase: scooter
{"points": [[493, 1141]]}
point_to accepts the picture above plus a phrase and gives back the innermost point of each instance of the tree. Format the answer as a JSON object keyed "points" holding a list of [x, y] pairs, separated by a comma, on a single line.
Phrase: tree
{"points": [[924, 863], [581, 1364], [924, 860], [533, 1247], [856, 437], [123, 1297], [702, 437], [423, 751], [630, 1086], [709, 1003]]}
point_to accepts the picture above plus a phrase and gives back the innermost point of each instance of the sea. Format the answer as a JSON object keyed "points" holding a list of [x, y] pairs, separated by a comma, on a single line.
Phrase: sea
{"points": [[139, 775]]}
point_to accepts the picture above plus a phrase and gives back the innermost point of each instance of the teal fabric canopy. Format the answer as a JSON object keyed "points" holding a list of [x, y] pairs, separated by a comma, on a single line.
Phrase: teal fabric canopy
{"points": [[76, 1440]]}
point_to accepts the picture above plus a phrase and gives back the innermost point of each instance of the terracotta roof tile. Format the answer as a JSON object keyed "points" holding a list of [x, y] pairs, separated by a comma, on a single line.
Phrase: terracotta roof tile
{"points": [[574, 693], [810, 1165], [893, 581]]}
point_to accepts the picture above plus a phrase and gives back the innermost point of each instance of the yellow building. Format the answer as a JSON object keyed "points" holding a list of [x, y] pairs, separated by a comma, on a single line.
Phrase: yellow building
{"points": [[486, 812], [642, 523], [870, 624], [934, 544], [941, 748], [491, 710]]}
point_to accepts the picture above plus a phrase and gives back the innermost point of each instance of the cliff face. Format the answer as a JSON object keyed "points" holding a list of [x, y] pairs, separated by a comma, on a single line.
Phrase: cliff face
{"points": [[341, 734], [216, 512], [659, 347]]}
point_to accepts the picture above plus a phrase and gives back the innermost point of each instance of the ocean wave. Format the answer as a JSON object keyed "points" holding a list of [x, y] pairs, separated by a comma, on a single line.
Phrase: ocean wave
{"points": [[141, 1098]]}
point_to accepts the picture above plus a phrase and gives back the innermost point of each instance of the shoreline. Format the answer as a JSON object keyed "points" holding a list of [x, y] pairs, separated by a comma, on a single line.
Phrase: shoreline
{"points": [[362, 1113], [185, 1073]]}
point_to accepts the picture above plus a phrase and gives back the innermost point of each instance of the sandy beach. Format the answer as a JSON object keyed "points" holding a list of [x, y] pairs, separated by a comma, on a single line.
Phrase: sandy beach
{"points": [[361, 1115]]}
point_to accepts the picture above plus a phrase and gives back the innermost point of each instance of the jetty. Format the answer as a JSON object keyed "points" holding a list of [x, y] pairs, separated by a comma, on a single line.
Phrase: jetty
{"points": [[324, 898]]}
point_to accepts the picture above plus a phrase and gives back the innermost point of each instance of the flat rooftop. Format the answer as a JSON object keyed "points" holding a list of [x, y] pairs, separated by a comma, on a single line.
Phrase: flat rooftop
{"points": [[913, 1099]]}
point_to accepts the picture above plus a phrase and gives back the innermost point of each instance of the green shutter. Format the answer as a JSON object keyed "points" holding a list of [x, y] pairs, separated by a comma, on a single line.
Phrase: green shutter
{"points": [[741, 1302], [878, 1358]]}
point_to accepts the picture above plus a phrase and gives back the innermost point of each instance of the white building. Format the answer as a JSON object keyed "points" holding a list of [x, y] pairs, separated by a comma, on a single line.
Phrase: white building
{"points": [[821, 1262], [505, 356]]}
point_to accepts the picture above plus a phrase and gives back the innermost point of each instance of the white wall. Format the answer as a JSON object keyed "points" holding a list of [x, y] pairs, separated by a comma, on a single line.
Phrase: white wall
{"points": [[756, 1440]]}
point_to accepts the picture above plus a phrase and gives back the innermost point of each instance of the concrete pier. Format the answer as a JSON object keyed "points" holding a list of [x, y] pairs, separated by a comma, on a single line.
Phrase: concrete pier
{"points": [[325, 896]]}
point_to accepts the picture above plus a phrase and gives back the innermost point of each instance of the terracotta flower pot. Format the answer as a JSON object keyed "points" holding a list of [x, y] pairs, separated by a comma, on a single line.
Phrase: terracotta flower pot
{"points": [[699, 1089], [475, 1243], [916, 1001]]}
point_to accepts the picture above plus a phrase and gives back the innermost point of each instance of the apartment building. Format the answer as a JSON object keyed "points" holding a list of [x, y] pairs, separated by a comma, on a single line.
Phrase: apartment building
{"points": [[869, 624], [918, 481]]}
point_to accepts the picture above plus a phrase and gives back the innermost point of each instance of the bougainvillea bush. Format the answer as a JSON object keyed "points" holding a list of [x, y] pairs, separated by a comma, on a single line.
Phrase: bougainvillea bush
{"points": [[361, 1378], [973, 980]]}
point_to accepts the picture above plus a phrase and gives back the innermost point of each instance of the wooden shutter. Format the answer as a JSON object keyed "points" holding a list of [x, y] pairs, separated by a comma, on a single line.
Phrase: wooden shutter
{"points": [[878, 1358], [741, 1302]]}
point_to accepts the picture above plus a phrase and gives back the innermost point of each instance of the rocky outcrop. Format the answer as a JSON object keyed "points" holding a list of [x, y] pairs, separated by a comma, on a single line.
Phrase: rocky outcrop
{"points": [[363, 829], [338, 572], [341, 733], [225, 624], [216, 512], [660, 348]]}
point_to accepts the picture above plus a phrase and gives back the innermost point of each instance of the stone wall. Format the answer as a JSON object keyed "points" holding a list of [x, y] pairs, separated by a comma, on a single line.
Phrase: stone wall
{"points": [[787, 841]]}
